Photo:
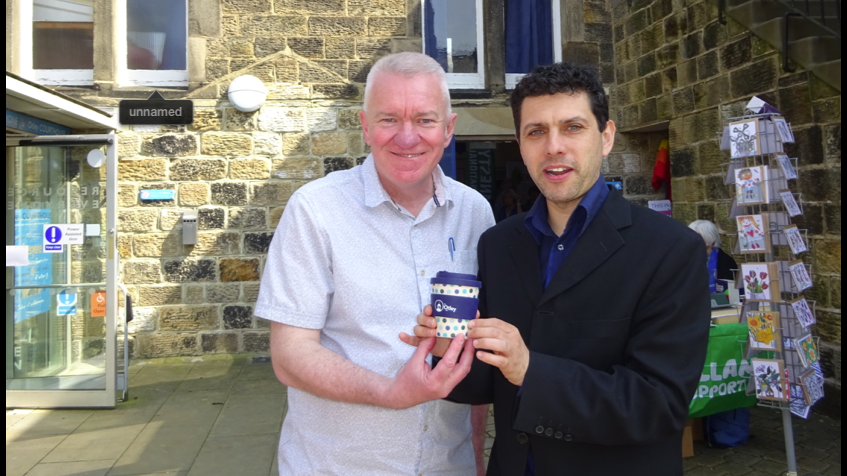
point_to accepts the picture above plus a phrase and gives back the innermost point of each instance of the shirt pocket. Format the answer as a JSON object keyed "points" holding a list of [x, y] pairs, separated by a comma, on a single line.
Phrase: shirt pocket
{"points": [[463, 262]]}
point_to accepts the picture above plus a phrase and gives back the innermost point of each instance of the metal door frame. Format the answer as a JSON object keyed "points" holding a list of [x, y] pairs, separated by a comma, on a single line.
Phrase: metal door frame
{"points": [[81, 398]]}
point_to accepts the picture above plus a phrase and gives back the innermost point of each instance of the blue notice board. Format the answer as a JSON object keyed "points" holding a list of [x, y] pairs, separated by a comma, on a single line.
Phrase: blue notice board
{"points": [[29, 230]]}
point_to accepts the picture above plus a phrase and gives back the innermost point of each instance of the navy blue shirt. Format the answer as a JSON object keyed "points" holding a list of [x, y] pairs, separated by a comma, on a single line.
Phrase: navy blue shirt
{"points": [[554, 250]]}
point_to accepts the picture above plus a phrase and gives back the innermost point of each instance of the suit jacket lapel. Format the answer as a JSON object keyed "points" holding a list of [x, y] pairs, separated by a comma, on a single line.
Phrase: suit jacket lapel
{"points": [[524, 251], [599, 242]]}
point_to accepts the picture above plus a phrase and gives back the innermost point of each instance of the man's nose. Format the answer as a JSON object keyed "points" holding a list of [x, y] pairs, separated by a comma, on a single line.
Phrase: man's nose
{"points": [[407, 137], [556, 144]]}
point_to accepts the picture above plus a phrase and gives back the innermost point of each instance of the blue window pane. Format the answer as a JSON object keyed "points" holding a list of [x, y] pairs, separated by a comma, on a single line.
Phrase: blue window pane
{"points": [[529, 35], [156, 34], [451, 34]]}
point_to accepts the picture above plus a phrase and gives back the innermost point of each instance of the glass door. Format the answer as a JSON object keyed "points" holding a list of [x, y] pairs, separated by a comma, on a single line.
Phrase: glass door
{"points": [[61, 272]]}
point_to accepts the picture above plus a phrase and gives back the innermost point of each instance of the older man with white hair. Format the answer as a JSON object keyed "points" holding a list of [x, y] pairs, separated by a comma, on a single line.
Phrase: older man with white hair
{"points": [[349, 269]]}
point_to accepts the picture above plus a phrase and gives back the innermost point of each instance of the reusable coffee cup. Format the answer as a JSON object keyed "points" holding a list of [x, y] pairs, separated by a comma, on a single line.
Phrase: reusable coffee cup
{"points": [[455, 300]]}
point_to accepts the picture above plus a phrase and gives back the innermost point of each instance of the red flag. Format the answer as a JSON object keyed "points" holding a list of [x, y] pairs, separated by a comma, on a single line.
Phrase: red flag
{"points": [[662, 171]]}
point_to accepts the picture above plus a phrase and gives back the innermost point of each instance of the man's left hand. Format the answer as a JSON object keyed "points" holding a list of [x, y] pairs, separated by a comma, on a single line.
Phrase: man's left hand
{"points": [[510, 355]]}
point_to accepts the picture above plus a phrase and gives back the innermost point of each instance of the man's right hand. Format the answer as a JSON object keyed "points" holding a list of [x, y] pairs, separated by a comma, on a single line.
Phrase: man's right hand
{"points": [[418, 383], [425, 329]]}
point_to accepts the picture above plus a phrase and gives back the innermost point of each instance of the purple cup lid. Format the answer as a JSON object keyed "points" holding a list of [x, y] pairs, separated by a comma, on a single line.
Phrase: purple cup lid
{"points": [[457, 279]]}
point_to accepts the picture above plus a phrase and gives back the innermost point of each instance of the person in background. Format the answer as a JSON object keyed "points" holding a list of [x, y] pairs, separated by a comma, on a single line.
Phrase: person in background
{"points": [[511, 205], [721, 265]]}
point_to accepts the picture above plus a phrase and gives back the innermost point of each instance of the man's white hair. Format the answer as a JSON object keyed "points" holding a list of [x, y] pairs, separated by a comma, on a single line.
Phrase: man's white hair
{"points": [[709, 232], [408, 65]]}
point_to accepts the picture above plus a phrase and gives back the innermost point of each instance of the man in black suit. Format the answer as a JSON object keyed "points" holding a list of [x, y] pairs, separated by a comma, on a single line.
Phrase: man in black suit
{"points": [[595, 311]]}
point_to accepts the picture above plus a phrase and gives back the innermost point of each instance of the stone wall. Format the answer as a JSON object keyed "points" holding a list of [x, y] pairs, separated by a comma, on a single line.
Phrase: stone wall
{"points": [[677, 64]]}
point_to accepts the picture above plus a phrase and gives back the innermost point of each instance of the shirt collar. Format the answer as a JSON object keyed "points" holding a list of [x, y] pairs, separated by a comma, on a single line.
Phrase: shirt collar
{"points": [[375, 194], [537, 220]]}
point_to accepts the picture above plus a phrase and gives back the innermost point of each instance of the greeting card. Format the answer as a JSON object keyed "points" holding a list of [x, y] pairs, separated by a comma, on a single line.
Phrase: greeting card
{"points": [[798, 402], [783, 129], [754, 234], [790, 202], [786, 166], [801, 276], [751, 185], [744, 138], [804, 313], [764, 331], [770, 381], [813, 383], [795, 240], [807, 350], [761, 281]]}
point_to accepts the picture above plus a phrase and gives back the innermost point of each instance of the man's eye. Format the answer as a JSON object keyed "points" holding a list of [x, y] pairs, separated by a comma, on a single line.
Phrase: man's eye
{"points": [[536, 133], [574, 127]]}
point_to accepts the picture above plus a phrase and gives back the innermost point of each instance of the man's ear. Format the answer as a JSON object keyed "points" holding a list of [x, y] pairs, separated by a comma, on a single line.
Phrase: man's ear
{"points": [[363, 119], [450, 129], [609, 138]]}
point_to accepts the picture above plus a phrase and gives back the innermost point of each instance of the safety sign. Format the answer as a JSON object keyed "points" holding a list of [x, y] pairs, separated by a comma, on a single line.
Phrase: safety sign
{"points": [[98, 304], [56, 236], [66, 303]]}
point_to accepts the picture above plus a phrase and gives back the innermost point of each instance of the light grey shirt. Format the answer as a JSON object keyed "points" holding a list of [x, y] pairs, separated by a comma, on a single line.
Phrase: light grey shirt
{"points": [[348, 261]]}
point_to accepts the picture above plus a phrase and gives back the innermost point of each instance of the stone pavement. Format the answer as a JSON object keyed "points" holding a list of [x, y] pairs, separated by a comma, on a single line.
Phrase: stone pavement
{"points": [[222, 417]]}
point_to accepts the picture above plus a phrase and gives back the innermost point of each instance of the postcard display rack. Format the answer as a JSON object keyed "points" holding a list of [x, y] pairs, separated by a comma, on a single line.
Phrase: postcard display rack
{"points": [[786, 373]]}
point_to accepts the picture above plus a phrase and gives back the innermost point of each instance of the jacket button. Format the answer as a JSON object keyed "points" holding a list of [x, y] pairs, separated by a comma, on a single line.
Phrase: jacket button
{"points": [[522, 438], [549, 432], [568, 438], [539, 429], [559, 435]]}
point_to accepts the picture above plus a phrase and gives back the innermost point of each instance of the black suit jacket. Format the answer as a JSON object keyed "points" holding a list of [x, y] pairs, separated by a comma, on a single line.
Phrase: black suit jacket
{"points": [[617, 340]]}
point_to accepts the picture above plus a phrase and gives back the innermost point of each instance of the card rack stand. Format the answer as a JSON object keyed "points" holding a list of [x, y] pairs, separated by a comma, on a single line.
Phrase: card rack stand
{"points": [[770, 144]]}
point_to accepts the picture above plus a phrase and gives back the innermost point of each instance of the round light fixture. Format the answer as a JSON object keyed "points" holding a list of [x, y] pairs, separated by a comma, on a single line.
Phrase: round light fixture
{"points": [[247, 93]]}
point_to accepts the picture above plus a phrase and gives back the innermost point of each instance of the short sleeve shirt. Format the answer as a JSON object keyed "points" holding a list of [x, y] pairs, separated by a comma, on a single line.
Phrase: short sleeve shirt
{"points": [[346, 260]]}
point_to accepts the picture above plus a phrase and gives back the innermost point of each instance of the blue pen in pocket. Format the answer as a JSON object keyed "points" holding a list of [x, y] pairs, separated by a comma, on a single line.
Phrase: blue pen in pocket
{"points": [[452, 246]]}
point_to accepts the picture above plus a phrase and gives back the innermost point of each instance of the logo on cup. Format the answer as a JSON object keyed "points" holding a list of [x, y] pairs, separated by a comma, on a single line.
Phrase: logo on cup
{"points": [[441, 307]]}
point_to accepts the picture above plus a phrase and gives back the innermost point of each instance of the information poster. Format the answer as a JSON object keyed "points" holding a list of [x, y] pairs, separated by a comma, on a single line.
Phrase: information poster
{"points": [[480, 173], [29, 229]]}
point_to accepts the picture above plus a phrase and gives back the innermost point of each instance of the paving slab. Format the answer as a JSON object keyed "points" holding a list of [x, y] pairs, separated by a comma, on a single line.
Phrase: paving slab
{"points": [[259, 387], [161, 374], [23, 453], [227, 456], [99, 440], [52, 422], [86, 468], [15, 416], [161, 450], [263, 371], [251, 415], [191, 410]]}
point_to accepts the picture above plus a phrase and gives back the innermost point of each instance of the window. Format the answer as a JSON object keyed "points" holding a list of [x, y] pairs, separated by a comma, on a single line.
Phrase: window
{"points": [[153, 50], [57, 41], [453, 35], [533, 36]]}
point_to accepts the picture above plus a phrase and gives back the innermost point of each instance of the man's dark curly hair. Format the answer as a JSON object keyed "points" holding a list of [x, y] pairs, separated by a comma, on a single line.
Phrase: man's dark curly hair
{"points": [[562, 78]]}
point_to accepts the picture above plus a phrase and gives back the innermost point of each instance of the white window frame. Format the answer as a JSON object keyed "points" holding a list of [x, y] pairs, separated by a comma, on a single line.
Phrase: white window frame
{"points": [[512, 79], [465, 80], [143, 77], [47, 77]]}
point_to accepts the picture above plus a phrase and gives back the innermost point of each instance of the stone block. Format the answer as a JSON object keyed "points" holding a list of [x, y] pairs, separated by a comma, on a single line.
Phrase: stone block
{"points": [[653, 85], [256, 342], [230, 26], [330, 143], [386, 26], [820, 185], [270, 194], [193, 194], [808, 146], [206, 119], [339, 48], [794, 104], [216, 68], [833, 218], [676, 27], [829, 327], [145, 170], [697, 16], [664, 106], [337, 91], [637, 22], [211, 218], [827, 110], [309, 6], [812, 219], [581, 53], [186, 170], [287, 71], [683, 101], [296, 144], [348, 119], [250, 292], [836, 293], [716, 190], [137, 221], [372, 48], [143, 320], [156, 296], [695, 190], [326, 71], [702, 126], [249, 169], [219, 343], [708, 66], [238, 121], [358, 70], [711, 157], [267, 143], [683, 162], [647, 64], [223, 144], [125, 246], [189, 318], [275, 119], [248, 218], [691, 45], [711, 93], [308, 168], [268, 46], [828, 257], [648, 111], [266, 26], [338, 26], [170, 146], [638, 185], [756, 78], [600, 33], [653, 37], [714, 35], [229, 194], [667, 56], [245, 6], [307, 47], [217, 244], [238, 317], [223, 293], [239, 270], [129, 144], [153, 346], [170, 220], [685, 213], [142, 272], [275, 216], [687, 73], [338, 163], [356, 144], [372, 8], [190, 271], [194, 294], [737, 54], [127, 195], [240, 47], [257, 243]]}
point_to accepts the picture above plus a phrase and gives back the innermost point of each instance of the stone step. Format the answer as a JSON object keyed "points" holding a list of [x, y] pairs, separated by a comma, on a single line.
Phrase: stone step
{"points": [[829, 72], [816, 49]]}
